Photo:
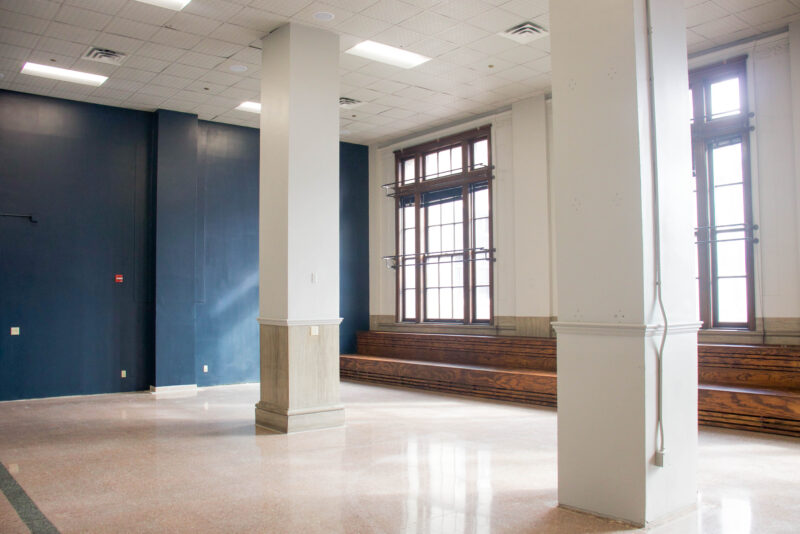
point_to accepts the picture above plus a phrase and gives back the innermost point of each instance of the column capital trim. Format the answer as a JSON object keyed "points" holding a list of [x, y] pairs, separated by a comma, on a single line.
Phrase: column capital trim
{"points": [[299, 322], [623, 329]]}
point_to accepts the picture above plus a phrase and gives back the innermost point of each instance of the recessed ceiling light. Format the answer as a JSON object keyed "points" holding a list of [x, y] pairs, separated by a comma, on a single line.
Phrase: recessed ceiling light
{"points": [[252, 107], [387, 54], [64, 75], [176, 5], [324, 16], [238, 68]]}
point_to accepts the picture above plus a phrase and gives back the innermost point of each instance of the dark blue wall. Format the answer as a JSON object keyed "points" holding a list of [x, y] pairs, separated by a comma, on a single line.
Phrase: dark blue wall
{"points": [[95, 177], [353, 243], [176, 212], [226, 337], [83, 171]]}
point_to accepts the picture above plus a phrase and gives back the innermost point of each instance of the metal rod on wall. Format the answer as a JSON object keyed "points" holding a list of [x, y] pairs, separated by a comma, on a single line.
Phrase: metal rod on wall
{"points": [[29, 216]]}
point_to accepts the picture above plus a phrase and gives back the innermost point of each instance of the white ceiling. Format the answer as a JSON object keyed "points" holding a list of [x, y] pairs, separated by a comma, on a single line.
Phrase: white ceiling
{"points": [[181, 60]]}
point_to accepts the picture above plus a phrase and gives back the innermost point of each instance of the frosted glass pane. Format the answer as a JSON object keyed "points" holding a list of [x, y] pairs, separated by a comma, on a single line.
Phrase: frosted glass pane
{"points": [[480, 153], [732, 300], [482, 303], [435, 239], [408, 171], [444, 162], [458, 303], [728, 205], [727, 164], [448, 241], [432, 303], [446, 274], [725, 98], [482, 233], [458, 211], [409, 241], [432, 275], [481, 203], [455, 159], [410, 276], [459, 236], [434, 214], [482, 273], [458, 274], [691, 105], [730, 255], [431, 164], [446, 303], [411, 304]]}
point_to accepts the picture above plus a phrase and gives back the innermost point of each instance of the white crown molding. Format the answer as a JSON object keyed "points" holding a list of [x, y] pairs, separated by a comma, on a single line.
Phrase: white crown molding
{"points": [[623, 329]]}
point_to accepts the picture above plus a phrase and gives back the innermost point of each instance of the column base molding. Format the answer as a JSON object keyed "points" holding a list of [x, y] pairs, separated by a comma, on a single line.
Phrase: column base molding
{"points": [[287, 421]]}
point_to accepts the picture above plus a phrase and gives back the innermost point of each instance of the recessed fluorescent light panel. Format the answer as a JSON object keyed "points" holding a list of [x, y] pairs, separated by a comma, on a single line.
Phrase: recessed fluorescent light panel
{"points": [[64, 75], [176, 5], [252, 107], [387, 54]]}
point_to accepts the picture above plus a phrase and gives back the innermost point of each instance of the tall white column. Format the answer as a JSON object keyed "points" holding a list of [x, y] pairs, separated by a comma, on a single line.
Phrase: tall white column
{"points": [[299, 230], [609, 325], [794, 66]]}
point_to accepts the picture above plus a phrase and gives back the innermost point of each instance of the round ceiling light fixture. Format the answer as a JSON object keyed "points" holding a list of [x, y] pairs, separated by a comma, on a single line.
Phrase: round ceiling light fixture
{"points": [[324, 16], [238, 68]]}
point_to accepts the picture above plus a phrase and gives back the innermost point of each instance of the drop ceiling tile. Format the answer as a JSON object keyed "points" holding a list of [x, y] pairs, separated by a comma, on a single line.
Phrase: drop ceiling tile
{"points": [[220, 78], [704, 12], [146, 63], [131, 74], [464, 56], [381, 70], [104, 101], [184, 71], [771, 12], [217, 48], [397, 113], [232, 33], [223, 101], [18, 53], [83, 18], [109, 92], [400, 37], [74, 88], [146, 13], [67, 32], [131, 28], [175, 104], [161, 52], [361, 26], [36, 8], [110, 7], [27, 80], [192, 96], [22, 39], [433, 47], [435, 68], [493, 44], [203, 61], [350, 62], [103, 69], [394, 11], [248, 55], [306, 15], [387, 86], [23, 23], [462, 34], [214, 9], [157, 90], [212, 111], [358, 79], [540, 65], [240, 94], [150, 101], [719, 27], [59, 46], [118, 43], [189, 23], [175, 38], [248, 84], [252, 70], [257, 19], [430, 23], [461, 9], [51, 58], [168, 80], [205, 87], [527, 9], [286, 8]]}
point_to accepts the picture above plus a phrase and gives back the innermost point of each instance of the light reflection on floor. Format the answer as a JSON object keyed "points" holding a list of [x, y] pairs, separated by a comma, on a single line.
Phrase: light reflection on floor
{"points": [[407, 461]]}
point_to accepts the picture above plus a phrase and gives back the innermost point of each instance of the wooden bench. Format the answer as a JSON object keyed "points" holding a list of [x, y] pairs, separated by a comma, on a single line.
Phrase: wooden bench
{"points": [[748, 387]]}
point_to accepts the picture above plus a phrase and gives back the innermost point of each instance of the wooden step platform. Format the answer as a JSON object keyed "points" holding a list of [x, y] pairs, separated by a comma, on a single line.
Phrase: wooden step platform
{"points": [[747, 387]]}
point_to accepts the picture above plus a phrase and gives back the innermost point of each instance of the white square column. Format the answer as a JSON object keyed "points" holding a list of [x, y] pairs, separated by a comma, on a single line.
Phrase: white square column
{"points": [[610, 325], [299, 230]]}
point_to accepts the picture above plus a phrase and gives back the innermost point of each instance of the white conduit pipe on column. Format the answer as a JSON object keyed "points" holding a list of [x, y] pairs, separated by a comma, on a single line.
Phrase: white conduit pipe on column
{"points": [[660, 453]]}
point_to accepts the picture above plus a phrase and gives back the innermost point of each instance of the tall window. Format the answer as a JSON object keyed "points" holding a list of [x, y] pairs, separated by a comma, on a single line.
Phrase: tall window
{"points": [[721, 156], [444, 230]]}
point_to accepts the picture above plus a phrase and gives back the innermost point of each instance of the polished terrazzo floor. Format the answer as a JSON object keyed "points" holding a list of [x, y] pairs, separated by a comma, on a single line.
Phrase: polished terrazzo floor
{"points": [[407, 461]]}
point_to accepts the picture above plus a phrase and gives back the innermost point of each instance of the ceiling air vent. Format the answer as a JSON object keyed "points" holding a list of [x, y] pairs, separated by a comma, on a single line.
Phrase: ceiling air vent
{"points": [[349, 103], [525, 33], [104, 55]]}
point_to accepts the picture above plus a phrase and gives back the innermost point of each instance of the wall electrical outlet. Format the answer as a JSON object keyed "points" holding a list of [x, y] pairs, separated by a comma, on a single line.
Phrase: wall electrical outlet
{"points": [[205, 368], [14, 330], [124, 373]]}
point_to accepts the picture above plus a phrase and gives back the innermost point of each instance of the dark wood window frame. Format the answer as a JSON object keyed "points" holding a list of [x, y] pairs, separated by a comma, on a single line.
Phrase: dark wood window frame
{"points": [[412, 191], [708, 133]]}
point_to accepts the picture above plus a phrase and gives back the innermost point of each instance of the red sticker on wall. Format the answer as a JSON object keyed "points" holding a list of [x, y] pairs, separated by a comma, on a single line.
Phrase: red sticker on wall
{"points": [[118, 278]]}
